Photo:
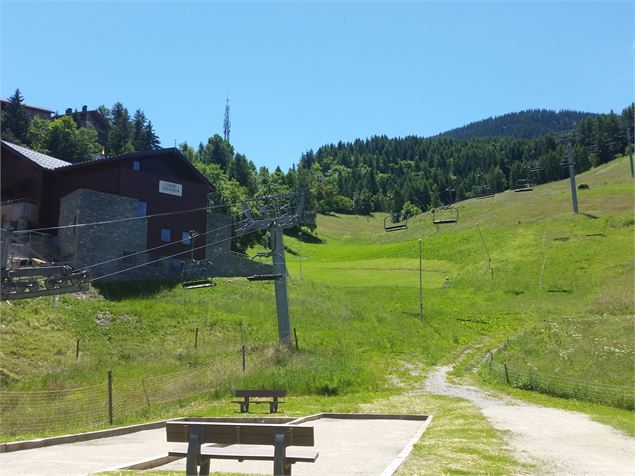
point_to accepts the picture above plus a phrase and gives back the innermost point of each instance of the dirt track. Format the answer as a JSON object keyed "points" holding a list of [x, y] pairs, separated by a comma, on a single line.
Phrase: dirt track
{"points": [[558, 441]]}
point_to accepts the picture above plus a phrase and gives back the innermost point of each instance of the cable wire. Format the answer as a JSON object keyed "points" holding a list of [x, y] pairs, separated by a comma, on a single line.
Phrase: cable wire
{"points": [[171, 243], [176, 254], [108, 222], [191, 210]]}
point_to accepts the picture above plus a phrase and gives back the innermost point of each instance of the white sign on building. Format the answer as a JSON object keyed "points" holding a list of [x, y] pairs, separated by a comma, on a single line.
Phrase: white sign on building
{"points": [[171, 188]]}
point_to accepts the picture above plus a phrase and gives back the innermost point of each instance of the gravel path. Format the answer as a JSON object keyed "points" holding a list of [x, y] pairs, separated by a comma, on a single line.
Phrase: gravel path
{"points": [[560, 442]]}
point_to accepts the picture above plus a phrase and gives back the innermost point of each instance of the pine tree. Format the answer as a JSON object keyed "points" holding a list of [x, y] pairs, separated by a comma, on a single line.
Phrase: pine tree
{"points": [[152, 140], [218, 151], [15, 120], [139, 136], [120, 135]]}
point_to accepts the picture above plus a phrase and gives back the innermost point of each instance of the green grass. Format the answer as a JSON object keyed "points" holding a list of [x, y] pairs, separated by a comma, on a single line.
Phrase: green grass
{"points": [[355, 307], [588, 359], [459, 439]]}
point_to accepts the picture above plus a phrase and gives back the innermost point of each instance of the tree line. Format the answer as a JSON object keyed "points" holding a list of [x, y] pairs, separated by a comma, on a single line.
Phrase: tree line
{"points": [[413, 174], [65, 138], [403, 176], [522, 124]]}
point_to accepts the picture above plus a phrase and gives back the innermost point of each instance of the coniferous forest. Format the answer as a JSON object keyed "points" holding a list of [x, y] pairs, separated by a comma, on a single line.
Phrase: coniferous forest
{"points": [[412, 174], [521, 125], [403, 176]]}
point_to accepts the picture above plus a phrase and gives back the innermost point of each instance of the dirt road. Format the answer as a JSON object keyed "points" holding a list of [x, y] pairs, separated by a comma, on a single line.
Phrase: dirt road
{"points": [[558, 441]]}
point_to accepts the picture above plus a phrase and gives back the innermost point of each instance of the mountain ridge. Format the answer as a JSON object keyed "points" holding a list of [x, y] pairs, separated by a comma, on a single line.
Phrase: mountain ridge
{"points": [[525, 124]]}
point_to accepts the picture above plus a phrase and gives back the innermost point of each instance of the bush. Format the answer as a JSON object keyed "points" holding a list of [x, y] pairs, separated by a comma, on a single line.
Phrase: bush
{"points": [[342, 204], [409, 210]]}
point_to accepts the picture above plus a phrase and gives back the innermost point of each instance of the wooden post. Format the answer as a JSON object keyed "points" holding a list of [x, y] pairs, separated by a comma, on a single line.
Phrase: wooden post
{"points": [[506, 374], [77, 350], [244, 360], [110, 397], [296, 339], [196, 338]]}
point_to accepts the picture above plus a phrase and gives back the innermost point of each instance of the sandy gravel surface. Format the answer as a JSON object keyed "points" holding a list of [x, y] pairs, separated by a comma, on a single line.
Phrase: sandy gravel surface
{"points": [[558, 441]]}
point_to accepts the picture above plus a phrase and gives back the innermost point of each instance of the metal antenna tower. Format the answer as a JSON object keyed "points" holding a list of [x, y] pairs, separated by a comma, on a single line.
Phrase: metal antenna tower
{"points": [[226, 123]]}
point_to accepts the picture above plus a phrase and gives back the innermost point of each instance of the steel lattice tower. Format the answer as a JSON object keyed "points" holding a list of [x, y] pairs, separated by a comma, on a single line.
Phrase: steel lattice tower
{"points": [[226, 123]]}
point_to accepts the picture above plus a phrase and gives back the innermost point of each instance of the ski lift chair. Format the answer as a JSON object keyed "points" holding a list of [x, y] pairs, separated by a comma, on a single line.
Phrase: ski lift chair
{"points": [[396, 223], [264, 277], [445, 215], [524, 185], [196, 274], [483, 191]]}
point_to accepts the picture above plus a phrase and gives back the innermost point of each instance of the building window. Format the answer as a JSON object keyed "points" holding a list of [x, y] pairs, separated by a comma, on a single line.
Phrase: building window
{"points": [[136, 165], [165, 234], [186, 238], [142, 208]]}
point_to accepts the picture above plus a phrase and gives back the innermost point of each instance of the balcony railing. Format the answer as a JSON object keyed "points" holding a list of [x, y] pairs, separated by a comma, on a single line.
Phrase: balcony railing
{"points": [[19, 210]]}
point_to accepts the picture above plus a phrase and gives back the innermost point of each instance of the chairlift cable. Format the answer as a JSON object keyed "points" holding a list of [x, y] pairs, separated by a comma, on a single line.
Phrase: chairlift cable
{"points": [[171, 243], [108, 222], [119, 220], [174, 255]]}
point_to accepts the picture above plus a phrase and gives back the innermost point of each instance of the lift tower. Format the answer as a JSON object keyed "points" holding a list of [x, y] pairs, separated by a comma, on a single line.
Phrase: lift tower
{"points": [[276, 212]]}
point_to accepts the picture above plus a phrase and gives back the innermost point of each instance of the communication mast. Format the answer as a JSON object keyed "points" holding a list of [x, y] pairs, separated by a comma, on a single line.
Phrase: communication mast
{"points": [[226, 123]]}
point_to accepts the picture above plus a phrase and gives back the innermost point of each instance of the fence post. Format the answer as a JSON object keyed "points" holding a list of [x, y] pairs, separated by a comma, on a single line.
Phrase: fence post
{"points": [[506, 374], [242, 350], [296, 339], [77, 350], [196, 338], [110, 396], [145, 392]]}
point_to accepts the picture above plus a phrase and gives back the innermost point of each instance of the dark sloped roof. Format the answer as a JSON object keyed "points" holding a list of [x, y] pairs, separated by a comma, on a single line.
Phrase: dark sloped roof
{"points": [[28, 106], [51, 163], [43, 160], [140, 155]]}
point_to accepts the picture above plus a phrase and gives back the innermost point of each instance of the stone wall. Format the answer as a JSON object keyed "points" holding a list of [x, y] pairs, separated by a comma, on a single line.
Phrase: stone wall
{"points": [[85, 246], [227, 263]]}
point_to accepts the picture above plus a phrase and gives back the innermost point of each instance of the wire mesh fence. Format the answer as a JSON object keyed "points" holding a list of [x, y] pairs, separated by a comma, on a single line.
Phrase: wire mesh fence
{"points": [[620, 396], [32, 412]]}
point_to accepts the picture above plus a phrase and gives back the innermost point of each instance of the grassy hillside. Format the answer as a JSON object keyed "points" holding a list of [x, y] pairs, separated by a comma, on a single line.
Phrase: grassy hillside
{"points": [[354, 300]]}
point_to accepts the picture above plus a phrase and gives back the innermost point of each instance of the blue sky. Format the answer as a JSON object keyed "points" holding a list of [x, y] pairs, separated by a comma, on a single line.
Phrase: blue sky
{"points": [[302, 74]]}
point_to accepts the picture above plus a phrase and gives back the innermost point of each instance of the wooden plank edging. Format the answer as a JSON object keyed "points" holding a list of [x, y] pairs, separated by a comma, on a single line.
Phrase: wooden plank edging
{"points": [[91, 435]]}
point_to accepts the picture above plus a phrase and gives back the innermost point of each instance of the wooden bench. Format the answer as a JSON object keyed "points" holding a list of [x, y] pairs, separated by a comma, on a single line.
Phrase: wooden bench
{"points": [[198, 433], [261, 396]]}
